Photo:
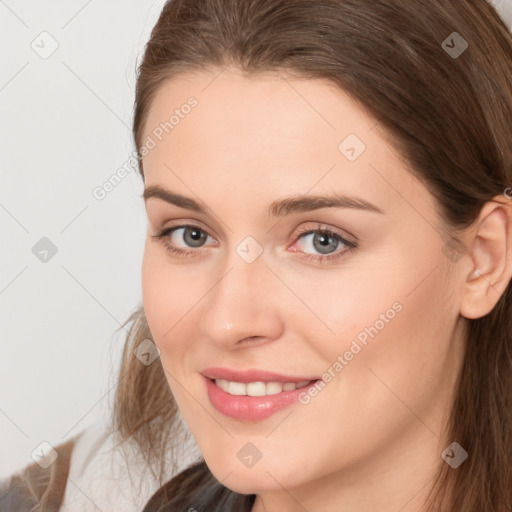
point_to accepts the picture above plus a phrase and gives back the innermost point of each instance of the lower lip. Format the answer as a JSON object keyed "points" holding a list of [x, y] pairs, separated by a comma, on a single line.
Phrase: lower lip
{"points": [[251, 408]]}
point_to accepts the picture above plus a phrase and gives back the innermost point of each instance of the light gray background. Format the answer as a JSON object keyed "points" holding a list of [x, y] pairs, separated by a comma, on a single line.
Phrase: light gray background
{"points": [[65, 129]]}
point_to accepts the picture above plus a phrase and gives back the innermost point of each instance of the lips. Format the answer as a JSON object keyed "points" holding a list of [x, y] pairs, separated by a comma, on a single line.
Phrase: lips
{"points": [[253, 395]]}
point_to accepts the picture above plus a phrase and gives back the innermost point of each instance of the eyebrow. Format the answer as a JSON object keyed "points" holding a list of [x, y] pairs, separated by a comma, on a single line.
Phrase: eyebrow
{"points": [[279, 208]]}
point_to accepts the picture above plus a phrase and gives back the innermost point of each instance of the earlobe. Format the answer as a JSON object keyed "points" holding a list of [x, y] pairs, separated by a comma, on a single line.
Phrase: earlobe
{"points": [[490, 251]]}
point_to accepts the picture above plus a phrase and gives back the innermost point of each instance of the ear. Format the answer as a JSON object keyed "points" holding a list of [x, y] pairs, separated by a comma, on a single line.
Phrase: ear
{"points": [[490, 252]]}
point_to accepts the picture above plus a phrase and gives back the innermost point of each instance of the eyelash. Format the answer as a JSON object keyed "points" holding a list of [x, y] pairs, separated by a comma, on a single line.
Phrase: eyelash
{"points": [[351, 246]]}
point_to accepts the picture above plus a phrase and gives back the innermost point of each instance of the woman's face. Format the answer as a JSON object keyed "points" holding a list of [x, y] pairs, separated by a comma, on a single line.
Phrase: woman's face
{"points": [[368, 310]]}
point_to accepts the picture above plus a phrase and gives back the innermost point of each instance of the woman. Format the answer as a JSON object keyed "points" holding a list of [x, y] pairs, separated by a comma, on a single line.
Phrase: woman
{"points": [[326, 277]]}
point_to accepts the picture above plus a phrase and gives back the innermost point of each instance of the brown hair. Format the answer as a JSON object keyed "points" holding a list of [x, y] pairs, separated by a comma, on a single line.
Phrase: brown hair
{"points": [[449, 117]]}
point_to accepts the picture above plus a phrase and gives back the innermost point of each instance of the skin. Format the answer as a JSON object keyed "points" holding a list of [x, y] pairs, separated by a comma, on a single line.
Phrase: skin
{"points": [[372, 438]]}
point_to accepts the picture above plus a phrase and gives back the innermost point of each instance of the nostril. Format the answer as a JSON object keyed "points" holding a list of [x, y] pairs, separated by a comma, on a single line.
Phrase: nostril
{"points": [[251, 339]]}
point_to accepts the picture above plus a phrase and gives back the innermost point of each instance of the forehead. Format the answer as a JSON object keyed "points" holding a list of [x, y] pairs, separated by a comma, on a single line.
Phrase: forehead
{"points": [[260, 111], [272, 132]]}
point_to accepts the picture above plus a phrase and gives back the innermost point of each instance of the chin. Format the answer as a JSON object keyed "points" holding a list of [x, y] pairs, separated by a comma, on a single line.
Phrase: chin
{"points": [[246, 482], [253, 480]]}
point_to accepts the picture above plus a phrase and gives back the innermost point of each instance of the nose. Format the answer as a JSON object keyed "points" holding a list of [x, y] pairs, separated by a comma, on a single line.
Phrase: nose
{"points": [[243, 305]]}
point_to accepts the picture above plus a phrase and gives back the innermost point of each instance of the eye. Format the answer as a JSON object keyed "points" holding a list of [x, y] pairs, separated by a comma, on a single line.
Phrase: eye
{"points": [[322, 239], [192, 235], [325, 241]]}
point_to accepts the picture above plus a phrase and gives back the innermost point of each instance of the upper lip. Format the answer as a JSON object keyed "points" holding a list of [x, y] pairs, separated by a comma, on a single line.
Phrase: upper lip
{"points": [[251, 375]]}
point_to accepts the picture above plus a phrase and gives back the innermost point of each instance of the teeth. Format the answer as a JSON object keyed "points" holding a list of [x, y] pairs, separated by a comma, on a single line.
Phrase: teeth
{"points": [[237, 388], [223, 384], [273, 388], [258, 388]]}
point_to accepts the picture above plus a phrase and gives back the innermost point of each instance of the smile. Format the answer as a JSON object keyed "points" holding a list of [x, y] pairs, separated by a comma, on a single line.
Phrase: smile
{"points": [[252, 395]]}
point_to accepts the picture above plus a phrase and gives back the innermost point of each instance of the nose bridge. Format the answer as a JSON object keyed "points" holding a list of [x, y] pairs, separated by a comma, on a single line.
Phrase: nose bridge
{"points": [[241, 304]]}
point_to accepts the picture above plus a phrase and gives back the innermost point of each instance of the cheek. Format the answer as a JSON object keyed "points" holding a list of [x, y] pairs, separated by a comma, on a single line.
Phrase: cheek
{"points": [[168, 296], [168, 302], [172, 295], [154, 297], [402, 342], [348, 307], [395, 315]]}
